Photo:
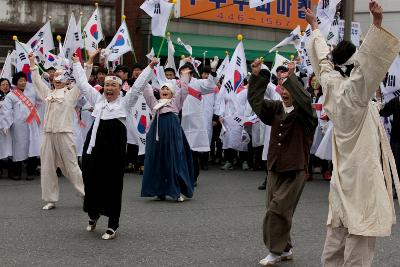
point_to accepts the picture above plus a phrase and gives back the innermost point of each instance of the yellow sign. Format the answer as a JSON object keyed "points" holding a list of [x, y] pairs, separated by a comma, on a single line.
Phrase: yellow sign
{"points": [[281, 14]]}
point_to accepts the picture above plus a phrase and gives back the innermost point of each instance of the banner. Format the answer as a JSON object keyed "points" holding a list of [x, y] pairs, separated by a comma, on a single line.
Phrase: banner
{"points": [[280, 14]]}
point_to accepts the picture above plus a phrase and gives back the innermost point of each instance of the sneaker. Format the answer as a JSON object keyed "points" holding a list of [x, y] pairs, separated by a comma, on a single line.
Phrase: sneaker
{"points": [[245, 166], [109, 234], [287, 256], [91, 226], [49, 206], [227, 166], [180, 199], [270, 260]]}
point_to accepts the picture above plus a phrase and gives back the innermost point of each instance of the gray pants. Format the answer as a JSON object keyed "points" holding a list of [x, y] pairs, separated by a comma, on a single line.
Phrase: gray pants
{"points": [[58, 150], [283, 194], [345, 250]]}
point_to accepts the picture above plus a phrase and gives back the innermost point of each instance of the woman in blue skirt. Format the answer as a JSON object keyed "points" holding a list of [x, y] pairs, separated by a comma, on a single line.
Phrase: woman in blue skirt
{"points": [[168, 162]]}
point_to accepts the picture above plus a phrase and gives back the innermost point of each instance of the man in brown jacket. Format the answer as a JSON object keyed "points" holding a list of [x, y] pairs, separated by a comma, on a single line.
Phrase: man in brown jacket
{"points": [[293, 122]]}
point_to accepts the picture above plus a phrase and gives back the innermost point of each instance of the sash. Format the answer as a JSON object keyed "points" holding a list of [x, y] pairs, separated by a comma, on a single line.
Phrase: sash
{"points": [[193, 92], [33, 115]]}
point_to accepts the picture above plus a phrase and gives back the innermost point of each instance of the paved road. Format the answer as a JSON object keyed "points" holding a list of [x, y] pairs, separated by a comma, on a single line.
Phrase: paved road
{"points": [[221, 226]]}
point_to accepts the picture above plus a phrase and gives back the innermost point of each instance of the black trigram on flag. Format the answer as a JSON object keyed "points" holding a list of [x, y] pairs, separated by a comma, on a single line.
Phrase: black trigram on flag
{"points": [[330, 36], [319, 21], [22, 56], [237, 119], [76, 36], [335, 22], [84, 35], [114, 50], [142, 140], [325, 4], [391, 80], [143, 106], [228, 86], [41, 34], [122, 31], [95, 17], [308, 32], [239, 61], [308, 62], [396, 93], [94, 45], [157, 8]]}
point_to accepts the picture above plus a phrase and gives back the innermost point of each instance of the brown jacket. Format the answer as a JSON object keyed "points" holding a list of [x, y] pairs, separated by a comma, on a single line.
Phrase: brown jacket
{"points": [[291, 134]]}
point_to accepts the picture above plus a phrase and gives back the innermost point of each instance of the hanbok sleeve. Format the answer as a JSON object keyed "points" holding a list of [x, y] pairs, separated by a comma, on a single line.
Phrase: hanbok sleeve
{"points": [[207, 85], [184, 87], [140, 85], [40, 87], [6, 112], [82, 83]]}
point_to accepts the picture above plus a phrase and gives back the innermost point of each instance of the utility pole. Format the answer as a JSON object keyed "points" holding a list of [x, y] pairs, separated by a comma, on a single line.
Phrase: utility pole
{"points": [[348, 10]]}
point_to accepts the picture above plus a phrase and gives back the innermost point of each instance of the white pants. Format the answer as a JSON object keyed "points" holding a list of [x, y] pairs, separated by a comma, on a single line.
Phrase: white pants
{"points": [[345, 250], [59, 150]]}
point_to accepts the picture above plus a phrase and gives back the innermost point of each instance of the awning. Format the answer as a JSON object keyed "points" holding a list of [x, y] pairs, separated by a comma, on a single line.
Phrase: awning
{"points": [[217, 45]]}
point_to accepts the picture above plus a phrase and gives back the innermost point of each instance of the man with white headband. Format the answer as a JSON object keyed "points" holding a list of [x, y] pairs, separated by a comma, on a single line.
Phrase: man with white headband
{"points": [[104, 152], [360, 201], [58, 148]]}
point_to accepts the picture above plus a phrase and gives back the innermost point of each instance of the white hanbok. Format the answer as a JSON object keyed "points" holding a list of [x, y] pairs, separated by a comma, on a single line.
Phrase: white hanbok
{"points": [[5, 142], [26, 138]]}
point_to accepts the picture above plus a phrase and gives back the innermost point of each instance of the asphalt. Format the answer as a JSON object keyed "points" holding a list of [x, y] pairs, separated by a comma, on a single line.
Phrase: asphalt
{"points": [[220, 226]]}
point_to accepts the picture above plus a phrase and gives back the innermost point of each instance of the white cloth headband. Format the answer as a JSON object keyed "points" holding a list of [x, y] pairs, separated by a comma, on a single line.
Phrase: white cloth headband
{"points": [[114, 79]]}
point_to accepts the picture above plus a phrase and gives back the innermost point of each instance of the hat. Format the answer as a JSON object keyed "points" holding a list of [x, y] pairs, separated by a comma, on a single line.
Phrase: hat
{"points": [[170, 86]]}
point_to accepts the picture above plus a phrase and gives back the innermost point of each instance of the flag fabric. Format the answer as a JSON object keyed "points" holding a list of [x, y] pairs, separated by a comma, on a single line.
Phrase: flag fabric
{"points": [[257, 3], [45, 35], [334, 33], [93, 33], [73, 40], [279, 61], [141, 121], [186, 46], [306, 62], [120, 44], [22, 62], [223, 67], [235, 73], [6, 72], [171, 51], [151, 54], [293, 38], [326, 12], [159, 11], [391, 84], [79, 26]]}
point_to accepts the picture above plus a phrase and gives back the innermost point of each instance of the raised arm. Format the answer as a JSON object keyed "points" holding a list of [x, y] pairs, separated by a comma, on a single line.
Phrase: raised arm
{"points": [[82, 83], [184, 86], [265, 109], [142, 85], [41, 88]]}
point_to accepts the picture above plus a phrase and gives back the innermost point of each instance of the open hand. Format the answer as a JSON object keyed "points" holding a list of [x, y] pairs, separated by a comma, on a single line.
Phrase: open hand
{"points": [[256, 67], [311, 19], [377, 13]]}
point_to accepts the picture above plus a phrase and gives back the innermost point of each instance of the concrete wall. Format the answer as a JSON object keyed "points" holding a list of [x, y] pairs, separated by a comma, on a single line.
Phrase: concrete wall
{"points": [[391, 18]]}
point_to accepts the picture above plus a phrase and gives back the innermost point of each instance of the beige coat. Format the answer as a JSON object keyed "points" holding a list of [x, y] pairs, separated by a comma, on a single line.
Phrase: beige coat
{"points": [[359, 198]]}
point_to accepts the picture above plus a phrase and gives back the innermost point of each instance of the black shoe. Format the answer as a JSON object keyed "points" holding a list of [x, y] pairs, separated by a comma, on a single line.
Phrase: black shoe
{"points": [[263, 186]]}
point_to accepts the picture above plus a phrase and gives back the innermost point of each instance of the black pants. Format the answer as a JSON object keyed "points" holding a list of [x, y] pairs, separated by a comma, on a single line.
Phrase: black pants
{"points": [[231, 154], [196, 164], [216, 144], [132, 154], [113, 222], [31, 165]]}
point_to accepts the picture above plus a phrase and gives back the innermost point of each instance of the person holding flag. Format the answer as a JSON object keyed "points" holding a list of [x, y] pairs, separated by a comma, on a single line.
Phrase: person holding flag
{"points": [[58, 147], [293, 122], [361, 204]]}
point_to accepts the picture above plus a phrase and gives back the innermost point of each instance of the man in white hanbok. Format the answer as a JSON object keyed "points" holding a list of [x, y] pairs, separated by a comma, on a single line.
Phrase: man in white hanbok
{"points": [[360, 201]]}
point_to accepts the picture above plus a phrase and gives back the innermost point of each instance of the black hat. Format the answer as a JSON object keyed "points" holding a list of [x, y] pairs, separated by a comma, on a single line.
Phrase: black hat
{"points": [[282, 68]]}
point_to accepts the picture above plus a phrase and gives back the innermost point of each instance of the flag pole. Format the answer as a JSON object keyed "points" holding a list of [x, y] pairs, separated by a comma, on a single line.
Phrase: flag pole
{"points": [[166, 29], [130, 40]]}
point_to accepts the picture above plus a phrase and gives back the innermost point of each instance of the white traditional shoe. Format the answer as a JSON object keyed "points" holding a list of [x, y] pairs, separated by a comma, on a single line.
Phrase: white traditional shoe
{"points": [[287, 256], [180, 199], [49, 206], [109, 234], [270, 260], [91, 226]]}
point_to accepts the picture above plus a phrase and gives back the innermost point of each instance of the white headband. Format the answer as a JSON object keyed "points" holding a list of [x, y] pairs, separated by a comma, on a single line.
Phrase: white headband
{"points": [[114, 79], [170, 86]]}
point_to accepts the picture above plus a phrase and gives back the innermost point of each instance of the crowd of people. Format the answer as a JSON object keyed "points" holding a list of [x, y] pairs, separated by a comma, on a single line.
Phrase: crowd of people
{"points": [[98, 124]]}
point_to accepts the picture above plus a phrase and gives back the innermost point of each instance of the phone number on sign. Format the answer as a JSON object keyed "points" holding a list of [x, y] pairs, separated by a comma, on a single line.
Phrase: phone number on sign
{"points": [[242, 19]]}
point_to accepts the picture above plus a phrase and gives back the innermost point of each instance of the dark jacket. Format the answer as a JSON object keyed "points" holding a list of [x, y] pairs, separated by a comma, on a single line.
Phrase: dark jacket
{"points": [[291, 134], [393, 108]]}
